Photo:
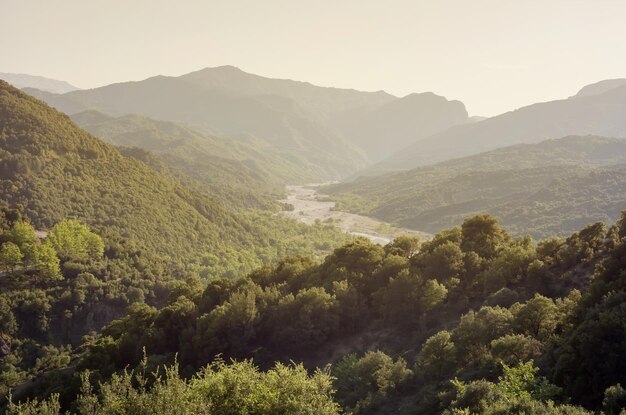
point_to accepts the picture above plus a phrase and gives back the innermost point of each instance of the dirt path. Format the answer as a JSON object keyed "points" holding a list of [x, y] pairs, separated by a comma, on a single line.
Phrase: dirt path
{"points": [[308, 209]]}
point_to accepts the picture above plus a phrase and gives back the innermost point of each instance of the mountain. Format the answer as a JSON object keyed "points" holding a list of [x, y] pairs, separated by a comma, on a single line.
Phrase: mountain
{"points": [[243, 173], [38, 82], [382, 129], [366, 119], [597, 114], [281, 123], [55, 170], [328, 132], [52, 170], [323, 102], [601, 87], [552, 187]]}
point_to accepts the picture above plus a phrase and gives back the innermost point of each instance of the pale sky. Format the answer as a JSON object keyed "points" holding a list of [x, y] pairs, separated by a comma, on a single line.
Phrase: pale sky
{"points": [[494, 56]]}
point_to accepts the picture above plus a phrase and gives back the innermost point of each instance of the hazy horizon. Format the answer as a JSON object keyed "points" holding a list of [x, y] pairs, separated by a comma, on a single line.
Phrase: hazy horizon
{"points": [[542, 51]]}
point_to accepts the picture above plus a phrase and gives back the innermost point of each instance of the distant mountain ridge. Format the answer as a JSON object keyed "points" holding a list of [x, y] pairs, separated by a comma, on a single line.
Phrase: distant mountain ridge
{"points": [[321, 101], [300, 121], [596, 111], [400, 122], [601, 87], [38, 82]]}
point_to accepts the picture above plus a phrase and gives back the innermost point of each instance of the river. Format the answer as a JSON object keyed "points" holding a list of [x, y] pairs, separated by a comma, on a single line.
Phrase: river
{"points": [[308, 209]]}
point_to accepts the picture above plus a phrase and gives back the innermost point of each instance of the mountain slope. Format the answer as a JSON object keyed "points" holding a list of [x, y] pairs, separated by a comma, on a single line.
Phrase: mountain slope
{"points": [[56, 171], [601, 87], [52, 170], [320, 101], [381, 130], [243, 173], [329, 132], [597, 114], [547, 188], [38, 82], [288, 129]]}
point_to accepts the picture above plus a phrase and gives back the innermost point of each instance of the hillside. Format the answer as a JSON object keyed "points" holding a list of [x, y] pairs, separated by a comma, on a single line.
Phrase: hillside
{"points": [[594, 113], [280, 123], [328, 132], [552, 187], [53, 170], [473, 321], [242, 173], [382, 129], [323, 102], [39, 82]]}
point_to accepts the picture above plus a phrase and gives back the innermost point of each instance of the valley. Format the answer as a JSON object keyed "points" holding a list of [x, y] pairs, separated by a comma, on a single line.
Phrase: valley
{"points": [[429, 218], [311, 207]]}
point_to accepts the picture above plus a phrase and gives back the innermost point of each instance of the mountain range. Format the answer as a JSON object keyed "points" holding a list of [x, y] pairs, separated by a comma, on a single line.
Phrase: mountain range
{"points": [[319, 129], [597, 109], [39, 82], [51, 170]]}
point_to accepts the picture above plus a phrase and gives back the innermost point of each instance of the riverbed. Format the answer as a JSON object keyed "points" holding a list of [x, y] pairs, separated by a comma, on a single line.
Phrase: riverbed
{"points": [[309, 206]]}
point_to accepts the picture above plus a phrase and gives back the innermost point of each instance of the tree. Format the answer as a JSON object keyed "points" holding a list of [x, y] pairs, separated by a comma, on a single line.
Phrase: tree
{"points": [[538, 317], [404, 246], [513, 349], [443, 263], [483, 234], [408, 297], [10, 256], [509, 265], [23, 235], [47, 261], [73, 240], [614, 400], [437, 356], [366, 382], [622, 225]]}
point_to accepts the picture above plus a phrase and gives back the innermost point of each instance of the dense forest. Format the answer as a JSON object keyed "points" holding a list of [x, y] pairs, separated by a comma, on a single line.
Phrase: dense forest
{"points": [[551, 188], [243, 173], [473, 321], [129, 286]]}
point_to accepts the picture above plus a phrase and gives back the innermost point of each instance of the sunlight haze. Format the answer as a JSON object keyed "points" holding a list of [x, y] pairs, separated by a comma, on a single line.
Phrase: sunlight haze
{"points": [[494, 56]]}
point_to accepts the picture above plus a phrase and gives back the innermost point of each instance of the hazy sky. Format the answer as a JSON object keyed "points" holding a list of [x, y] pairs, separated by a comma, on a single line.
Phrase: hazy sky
{"points": [[492, 55]]}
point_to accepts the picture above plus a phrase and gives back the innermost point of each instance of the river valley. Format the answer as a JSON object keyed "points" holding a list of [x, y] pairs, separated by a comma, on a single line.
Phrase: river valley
{"points": [[308, 208]]}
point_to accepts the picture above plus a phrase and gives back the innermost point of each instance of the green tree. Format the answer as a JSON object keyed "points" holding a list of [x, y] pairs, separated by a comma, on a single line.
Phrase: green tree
{"points": [[513, 349], [23, 235], [366, 382], [404, 246], [73, 240], [47, 261], [408, 297], [614, 400], [484, 235], [443, 262], [437, 358], [10, 256]]}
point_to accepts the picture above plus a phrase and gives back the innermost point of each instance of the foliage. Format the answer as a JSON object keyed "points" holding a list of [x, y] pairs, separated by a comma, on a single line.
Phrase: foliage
{"points": [[221, 389], [540, 189]]}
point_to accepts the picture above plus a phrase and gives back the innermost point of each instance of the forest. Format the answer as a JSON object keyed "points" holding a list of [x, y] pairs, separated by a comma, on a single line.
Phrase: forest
{"points": [[554, 187], [131, 286], [473, 321]]}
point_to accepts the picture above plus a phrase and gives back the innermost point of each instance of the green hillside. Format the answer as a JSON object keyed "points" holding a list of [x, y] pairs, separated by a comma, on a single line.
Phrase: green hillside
{"points": [[280, 123], [473, 321], [549, 188], [243, 173], [53, 170]]}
